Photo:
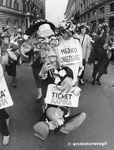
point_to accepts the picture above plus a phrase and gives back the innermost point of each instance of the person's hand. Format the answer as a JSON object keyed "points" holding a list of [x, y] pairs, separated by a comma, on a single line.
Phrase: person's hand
{"points": [[81, 68], [105, 46], [66, 85], [45, 68], [96, 62], [86, 60]]}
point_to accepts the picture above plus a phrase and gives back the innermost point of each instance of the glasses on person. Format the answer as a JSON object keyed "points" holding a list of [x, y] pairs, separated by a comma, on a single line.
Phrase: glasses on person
{"points": [[52, 41]]}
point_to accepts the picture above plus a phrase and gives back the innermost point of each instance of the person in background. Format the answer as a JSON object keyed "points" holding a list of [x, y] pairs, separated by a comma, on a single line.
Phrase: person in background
{"points": [[101, 54], [4, 123], [10, 51], [6, 30], [70, 48], [85, 41], [4, 118], [30, 51]]}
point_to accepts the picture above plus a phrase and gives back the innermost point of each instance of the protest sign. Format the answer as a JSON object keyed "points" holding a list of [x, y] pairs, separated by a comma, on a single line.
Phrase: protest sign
{"points": [[55, 97], [69, 52], [5, 97]]}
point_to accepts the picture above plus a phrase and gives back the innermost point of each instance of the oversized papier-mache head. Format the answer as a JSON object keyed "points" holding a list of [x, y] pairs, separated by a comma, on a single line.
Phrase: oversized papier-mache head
{"points": [[40, 27], [45, 28]]}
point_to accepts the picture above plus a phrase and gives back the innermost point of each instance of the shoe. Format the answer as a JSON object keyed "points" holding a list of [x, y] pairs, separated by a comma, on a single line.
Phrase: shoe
{"points": [[63, 131], [14, 85], [98, 82], [6, 140], [38, 100], [7, 121], [39, 136], [81, 81], [93, 82], [73, 123]]}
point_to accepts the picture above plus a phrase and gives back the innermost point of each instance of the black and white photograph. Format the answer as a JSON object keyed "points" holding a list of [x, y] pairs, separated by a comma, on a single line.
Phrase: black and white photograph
{"points": [[56, 74]]}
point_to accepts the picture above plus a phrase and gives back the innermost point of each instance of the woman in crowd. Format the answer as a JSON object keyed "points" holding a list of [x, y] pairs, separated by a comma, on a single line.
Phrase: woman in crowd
{"points": [[29, 49], [11, 53], [101, 54], [86, 48]]}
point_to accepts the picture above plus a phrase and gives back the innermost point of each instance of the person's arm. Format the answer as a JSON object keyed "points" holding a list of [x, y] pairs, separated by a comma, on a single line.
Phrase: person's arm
{"points": [[0, 56], [88, 47]]}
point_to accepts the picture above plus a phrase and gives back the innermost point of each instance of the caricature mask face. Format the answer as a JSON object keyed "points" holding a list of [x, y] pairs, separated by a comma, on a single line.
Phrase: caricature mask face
{"points": [[46, 43]]}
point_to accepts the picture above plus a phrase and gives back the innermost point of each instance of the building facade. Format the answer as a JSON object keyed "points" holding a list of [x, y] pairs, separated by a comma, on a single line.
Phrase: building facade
{"points": [[20, 13], [93, 12], [72, 9]]}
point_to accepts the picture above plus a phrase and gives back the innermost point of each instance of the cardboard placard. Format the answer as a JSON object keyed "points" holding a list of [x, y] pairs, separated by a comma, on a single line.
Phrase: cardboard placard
{"points": [[54, 97], [5, 97], [69, 52]]}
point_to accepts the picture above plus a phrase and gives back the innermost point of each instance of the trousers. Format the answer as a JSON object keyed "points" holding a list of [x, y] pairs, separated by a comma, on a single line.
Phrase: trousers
{"points": [[3, 126]]}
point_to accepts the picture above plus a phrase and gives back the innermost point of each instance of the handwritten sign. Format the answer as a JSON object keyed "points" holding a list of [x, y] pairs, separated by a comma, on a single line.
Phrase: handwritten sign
{"points": [[54, 97], [5, 97], [69, 52]]}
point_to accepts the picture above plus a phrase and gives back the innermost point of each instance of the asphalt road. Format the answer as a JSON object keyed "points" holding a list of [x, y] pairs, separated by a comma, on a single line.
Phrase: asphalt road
{"points": [[96, 101]]}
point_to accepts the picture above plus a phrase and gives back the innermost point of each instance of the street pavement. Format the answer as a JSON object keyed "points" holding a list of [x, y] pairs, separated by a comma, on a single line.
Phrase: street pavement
{"points": [[96, 101]]}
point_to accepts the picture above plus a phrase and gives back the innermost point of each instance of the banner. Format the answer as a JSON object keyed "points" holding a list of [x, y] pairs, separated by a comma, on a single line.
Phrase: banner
{"points": [[5, 97], [54, 97]]}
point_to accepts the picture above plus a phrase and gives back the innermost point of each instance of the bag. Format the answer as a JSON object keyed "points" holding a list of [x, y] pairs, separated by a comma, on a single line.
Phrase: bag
{"points": [[5, 59]]}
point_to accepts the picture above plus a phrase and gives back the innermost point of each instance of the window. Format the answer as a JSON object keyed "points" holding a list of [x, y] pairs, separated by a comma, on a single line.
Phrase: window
{"points": [[1, 2], [16, 5], [94, 13], [112, 7], [102, 10], [102, 20], [88, 15]]}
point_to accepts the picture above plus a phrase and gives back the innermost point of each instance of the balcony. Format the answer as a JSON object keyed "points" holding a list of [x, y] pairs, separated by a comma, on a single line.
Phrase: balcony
{"points": [[10, 10]]}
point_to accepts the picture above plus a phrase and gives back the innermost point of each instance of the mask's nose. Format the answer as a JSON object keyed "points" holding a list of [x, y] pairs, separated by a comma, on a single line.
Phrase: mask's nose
{"points": [[46, 40], [50, 52]]}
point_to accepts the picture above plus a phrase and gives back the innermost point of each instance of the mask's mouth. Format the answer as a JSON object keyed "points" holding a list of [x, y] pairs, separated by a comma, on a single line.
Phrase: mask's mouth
{"points": [[52, 60]]}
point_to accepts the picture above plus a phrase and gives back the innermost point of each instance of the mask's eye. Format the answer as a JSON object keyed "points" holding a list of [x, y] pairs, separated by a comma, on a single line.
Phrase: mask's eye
{"points": [[53, 42], [41, 40]]}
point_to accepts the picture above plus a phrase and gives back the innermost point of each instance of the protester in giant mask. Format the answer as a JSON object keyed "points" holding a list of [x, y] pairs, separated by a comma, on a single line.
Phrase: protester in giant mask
{"points": [[50, 71], [45, 40]]}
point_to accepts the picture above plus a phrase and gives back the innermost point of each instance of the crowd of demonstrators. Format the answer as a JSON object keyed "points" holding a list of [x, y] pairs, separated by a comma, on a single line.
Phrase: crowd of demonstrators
{"points": [[57, 56], [50, 44], [10, 51], [9, 56], [99, 49], [101, 52]]}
